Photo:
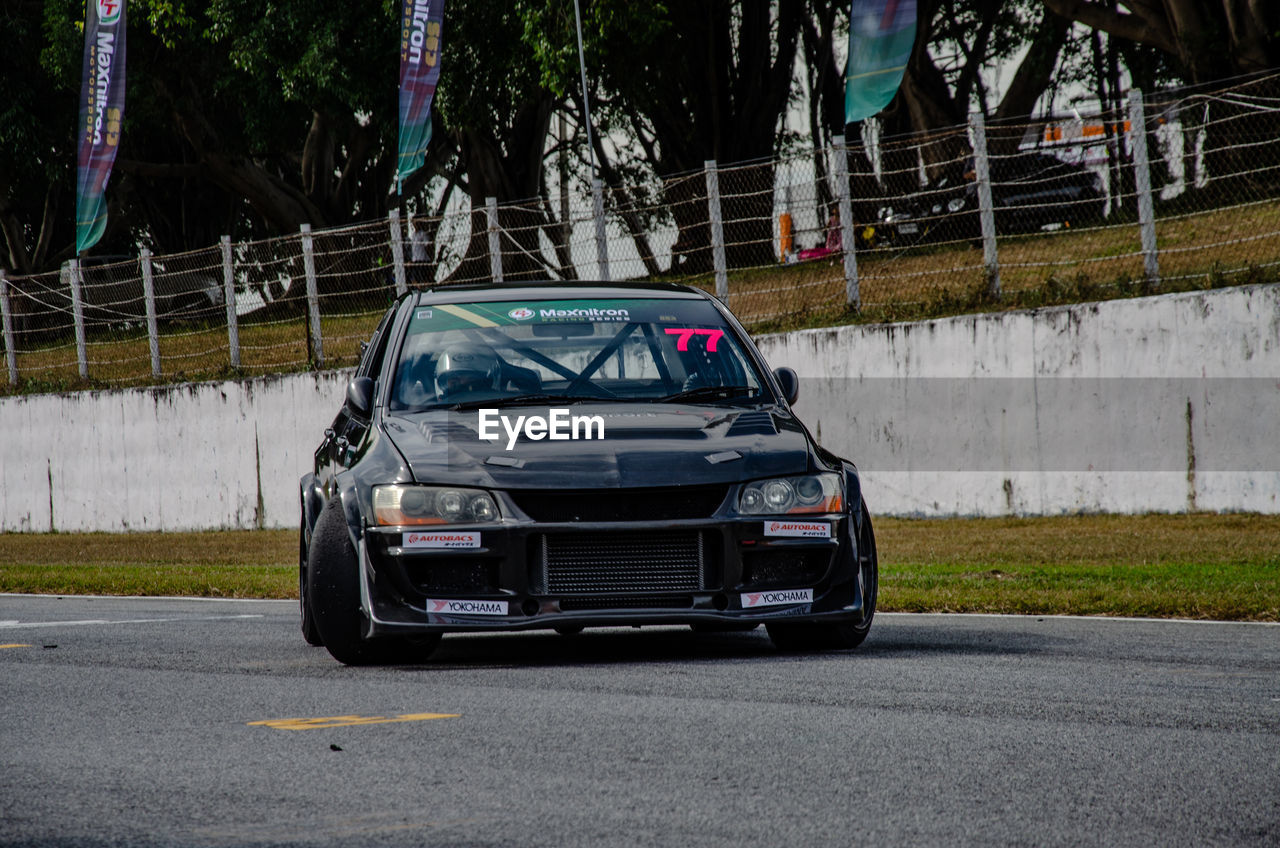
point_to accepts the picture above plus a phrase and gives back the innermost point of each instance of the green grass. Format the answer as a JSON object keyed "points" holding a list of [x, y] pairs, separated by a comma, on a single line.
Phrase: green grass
{"points": [[1181, 566], [225, 564], [1199, 251], [1204, 250], [121, 358]]}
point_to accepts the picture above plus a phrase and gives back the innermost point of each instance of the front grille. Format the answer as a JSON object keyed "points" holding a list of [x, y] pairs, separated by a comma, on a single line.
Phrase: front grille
{"points": [[626, 602], [764, 569], [666, 504], [469, 576], [604, 563]]}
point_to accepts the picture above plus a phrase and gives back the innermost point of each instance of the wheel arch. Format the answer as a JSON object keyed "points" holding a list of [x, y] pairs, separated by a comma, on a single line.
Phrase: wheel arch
{"points": [[853, 494], [311, 501], [349, 495]]}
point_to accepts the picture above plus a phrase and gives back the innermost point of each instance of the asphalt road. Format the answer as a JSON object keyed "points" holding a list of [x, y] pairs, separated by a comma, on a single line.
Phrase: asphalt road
{"points": [[139, 722]]}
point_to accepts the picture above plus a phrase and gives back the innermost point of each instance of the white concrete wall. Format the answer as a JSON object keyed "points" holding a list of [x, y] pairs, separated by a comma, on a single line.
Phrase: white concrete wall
{"points": [[1168, 403], [206, 455]]}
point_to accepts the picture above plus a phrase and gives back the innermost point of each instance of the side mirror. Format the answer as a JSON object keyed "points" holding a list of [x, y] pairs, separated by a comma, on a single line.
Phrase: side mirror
{"points": [[788, 382], [360, 396]]}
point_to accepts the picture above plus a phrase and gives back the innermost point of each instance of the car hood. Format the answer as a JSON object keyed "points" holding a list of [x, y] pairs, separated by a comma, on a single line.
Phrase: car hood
{"points": [[644, 445]]}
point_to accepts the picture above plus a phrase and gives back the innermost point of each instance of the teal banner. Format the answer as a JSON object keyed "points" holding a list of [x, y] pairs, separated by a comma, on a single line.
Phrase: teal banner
{"points": [[881, 35], [420, 28], [101, 116]]}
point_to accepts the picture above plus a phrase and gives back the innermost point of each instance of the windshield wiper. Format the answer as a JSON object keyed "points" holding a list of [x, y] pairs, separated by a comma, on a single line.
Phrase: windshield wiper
{"points": [[708, 393]]}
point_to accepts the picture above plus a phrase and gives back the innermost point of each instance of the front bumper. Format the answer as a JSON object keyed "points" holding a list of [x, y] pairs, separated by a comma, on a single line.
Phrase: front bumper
{"points": [[527, 576]]}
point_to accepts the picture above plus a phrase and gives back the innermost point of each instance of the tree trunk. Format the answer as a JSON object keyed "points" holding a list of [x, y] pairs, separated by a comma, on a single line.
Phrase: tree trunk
{"points": [[508, 178], [1209, 40], [1028, 84], [686, 197]]}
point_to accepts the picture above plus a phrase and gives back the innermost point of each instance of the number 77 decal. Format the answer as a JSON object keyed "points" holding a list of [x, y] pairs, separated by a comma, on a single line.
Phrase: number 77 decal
{"points": [[686, 333]]}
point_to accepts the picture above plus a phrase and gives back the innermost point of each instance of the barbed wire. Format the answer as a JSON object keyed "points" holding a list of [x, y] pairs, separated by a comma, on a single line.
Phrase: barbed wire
{"points": [[1065, 205]]}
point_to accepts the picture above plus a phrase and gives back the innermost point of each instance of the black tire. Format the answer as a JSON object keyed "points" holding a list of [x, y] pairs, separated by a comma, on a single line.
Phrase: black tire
{"points": [[827, 637], [333, 588], [308, 619]]}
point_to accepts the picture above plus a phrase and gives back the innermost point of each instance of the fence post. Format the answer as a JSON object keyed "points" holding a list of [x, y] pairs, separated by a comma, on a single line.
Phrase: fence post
{"points": [[1142, 182], [313, 294], [77, 308], [397, 252], [495, 243], [149, 295], [986, 209], [848, 228], [229, 293], [10, 354], [602, 238], [717, 230]]}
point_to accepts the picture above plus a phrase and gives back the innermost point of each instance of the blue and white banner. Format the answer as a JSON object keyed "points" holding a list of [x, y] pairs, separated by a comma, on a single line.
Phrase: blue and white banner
{"points": [[420, 28], [101, 115], [881, 35]]}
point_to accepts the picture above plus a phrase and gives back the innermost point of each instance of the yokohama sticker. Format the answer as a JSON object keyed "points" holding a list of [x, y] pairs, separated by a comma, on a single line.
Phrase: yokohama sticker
{"points": [[466, 607], [441, 540], [806, 529], [776, 598]]}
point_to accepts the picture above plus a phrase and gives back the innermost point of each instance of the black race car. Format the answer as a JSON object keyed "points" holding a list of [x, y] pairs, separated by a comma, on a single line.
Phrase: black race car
{"points": [[552, 456], [1029, 191]]}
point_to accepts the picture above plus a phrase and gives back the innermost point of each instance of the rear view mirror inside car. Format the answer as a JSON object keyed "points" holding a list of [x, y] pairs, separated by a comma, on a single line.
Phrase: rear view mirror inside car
{"points": [[563, 331]]}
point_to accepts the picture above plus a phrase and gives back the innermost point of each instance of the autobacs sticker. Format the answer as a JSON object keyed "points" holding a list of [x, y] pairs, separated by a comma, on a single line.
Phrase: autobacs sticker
{"points": [[466, 607], [776, 598], [804, 529], [441, 540]]}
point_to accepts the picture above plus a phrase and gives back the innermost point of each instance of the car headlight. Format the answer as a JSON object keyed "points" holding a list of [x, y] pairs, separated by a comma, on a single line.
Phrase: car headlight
{"points": [[400, 505], [810, 493]]}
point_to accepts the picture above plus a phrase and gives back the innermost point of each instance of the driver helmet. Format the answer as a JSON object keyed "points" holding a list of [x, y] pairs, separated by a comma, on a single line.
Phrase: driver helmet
{"points": [[466, 368]]}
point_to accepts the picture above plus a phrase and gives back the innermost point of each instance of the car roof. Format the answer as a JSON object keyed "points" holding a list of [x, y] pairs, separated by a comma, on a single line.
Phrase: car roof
{"points": [[556, 290]]}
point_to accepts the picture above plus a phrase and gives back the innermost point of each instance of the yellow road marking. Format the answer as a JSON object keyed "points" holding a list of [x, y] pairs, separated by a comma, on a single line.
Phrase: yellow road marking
{"points": [[467, 315], [14, 645], [345, 721]]}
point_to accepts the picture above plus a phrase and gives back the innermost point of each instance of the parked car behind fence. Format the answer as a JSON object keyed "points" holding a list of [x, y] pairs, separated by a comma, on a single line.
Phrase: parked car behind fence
{"points": [[1029, 191]]}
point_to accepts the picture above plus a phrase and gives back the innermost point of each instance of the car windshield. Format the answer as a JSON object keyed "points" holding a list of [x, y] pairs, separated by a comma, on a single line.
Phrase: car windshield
{"points": [[633, 349]]}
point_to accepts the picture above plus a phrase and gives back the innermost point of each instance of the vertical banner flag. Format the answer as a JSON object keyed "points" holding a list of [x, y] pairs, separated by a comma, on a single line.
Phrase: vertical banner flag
{"points": [[881, 34], [419, 73], [101, 114]]}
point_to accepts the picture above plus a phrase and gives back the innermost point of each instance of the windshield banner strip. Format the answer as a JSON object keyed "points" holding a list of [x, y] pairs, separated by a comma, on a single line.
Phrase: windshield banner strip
{"points": [[458, 316], [468, 316]]}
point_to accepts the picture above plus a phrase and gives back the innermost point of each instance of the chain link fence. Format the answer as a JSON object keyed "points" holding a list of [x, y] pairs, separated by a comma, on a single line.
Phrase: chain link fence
{"points": [[872, 228]]}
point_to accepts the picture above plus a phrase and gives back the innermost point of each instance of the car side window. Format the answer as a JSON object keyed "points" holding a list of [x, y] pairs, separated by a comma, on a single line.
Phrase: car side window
{"points": [[371, 360], [346, 424]]}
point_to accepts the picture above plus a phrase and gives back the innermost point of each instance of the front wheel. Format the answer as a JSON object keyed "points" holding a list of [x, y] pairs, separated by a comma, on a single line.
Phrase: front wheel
{"points": [[826, 637], [309, 631], [333, 588]]}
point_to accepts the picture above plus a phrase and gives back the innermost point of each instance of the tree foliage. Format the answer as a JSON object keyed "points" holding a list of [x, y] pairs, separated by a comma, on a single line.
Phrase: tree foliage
{"points": [[1208, 39], [252, 119]]}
